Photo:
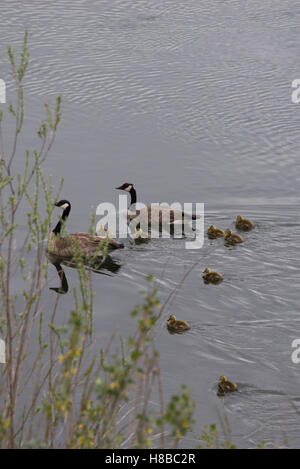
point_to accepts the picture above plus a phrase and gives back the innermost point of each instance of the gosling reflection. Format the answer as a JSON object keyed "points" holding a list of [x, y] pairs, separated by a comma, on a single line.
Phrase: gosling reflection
{"points": [[97, 266]]}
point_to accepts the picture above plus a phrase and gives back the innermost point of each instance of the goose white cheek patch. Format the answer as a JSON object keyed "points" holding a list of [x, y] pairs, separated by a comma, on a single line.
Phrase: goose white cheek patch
{"points": [[2, 351], [64, 206], [128, 189]]}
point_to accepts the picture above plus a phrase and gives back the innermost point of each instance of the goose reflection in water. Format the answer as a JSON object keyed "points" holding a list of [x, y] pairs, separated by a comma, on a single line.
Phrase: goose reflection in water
{"points": [[64, 287], [108, 263]]}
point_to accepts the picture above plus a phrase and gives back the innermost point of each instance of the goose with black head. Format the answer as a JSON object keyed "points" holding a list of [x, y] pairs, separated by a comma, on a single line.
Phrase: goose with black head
{"points": [[154, 214]]}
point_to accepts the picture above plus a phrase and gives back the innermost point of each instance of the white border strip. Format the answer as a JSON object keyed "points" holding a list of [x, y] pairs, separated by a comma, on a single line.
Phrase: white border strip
{"points": [[2, 351]]}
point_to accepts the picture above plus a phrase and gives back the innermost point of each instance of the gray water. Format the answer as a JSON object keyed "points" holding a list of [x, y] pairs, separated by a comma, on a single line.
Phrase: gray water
{"points": [[191, 101]]}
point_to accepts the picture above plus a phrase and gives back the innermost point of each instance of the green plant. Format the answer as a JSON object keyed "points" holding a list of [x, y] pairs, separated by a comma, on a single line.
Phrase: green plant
{"points": [[57, 389], [210, 437]]}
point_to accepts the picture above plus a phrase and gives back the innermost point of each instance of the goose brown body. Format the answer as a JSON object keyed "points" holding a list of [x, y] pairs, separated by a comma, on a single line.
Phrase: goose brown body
{"points": [[66, 246], [158, 215], [244, 224]]}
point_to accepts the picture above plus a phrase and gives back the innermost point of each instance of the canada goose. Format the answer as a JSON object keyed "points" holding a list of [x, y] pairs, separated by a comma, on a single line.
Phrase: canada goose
{"points": [[233, 238], [212, 277], [66, 246], [225, 386], [177, 325], [214, 232], [172, 216], [244, 224]]}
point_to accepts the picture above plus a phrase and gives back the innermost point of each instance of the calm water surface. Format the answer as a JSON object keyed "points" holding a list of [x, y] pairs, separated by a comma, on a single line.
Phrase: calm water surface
{"points": [[191, 101]]}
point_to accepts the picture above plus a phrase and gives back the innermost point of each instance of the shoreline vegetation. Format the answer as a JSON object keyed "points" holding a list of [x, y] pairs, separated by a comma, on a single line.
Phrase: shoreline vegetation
{"points": [[57, 390]]}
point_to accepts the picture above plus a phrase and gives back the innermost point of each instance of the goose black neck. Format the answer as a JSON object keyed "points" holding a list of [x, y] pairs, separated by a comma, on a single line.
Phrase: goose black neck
{"points": [[65, 215], [133, 196]]}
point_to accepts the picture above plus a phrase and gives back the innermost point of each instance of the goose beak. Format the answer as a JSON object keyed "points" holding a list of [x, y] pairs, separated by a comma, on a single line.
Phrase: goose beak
{"points": [[119, 188]]}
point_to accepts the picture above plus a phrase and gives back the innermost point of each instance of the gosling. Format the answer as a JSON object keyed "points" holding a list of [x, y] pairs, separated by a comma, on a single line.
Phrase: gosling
{"points": [[244, 224], [214, 232], [176, 325], [226, 386], [233, 238], [212, 277]]}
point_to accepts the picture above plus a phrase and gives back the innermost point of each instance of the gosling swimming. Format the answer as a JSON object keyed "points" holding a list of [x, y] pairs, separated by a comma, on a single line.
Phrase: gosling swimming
{"points": [[210, 276], [233, 238], [177, 325], [226, 386], [214, 232], [244, 224]]}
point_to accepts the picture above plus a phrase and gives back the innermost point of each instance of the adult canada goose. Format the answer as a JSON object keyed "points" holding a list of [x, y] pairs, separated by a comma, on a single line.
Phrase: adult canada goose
{"points": [[66, 246], [243, 224], [177, 325], [225, 386], [232, 238], [159, 213]]}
